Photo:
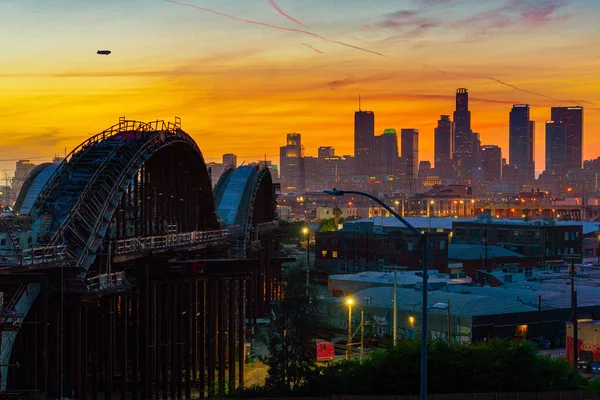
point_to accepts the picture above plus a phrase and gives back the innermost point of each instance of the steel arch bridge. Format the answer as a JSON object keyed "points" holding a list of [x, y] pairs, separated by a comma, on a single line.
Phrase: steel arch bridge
{"points": [[246, 203], [121, 200]]}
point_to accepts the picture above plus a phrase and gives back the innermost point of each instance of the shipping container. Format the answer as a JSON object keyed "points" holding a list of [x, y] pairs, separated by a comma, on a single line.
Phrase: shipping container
{"points": [[325, 350]]}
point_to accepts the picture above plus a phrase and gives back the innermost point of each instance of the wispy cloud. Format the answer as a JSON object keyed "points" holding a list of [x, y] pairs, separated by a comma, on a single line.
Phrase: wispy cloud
{"points": [[339, 83], [516, 14], [434, 2], [286, 15], [312, 48], [410, 23], [281, 28]]}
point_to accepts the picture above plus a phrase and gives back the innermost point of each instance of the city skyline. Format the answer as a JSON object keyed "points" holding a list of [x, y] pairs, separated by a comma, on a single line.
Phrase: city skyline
{"points": [[265, 83]]}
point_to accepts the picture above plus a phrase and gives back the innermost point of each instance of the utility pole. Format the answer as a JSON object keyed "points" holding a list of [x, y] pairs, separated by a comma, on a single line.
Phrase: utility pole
{"points": [[395, 307], [449, 323], [539, 314], [598, 244], [486, 244], [362, 335], [574, 313]]}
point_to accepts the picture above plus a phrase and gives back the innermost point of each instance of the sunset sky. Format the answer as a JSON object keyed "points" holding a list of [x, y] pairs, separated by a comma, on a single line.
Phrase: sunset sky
{"points": [[243, 73]]}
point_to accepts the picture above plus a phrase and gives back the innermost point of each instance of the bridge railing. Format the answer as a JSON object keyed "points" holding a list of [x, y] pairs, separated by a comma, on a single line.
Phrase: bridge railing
{"points": [[113, 280], [141, 244], [43, 255], [267, 226]]}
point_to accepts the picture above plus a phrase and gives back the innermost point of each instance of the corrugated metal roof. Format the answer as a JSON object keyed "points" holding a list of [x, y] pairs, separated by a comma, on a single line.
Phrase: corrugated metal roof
{"points": [[446, 223], [483, 300], [402, 278], [460, 304], [477, 252]]}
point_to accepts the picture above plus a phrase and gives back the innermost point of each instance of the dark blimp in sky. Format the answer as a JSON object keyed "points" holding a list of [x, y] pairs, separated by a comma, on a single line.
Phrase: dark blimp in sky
{"points": [[104, 52]]}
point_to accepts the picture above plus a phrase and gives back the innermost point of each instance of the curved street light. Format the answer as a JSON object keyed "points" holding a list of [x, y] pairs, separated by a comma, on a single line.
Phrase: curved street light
{"points": [[423, 236]]}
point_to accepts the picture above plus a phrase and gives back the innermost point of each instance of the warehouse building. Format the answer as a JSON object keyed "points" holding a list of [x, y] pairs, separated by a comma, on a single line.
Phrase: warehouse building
{"points": [[520, 311]]}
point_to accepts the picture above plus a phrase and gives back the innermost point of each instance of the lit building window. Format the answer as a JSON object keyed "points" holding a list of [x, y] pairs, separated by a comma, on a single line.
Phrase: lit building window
{"points": [[324, 253], [334, 254]]}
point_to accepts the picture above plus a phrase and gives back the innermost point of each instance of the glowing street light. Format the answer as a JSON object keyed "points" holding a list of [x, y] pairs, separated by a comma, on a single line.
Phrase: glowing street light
{"points": [[349, 302], [306, 231]]}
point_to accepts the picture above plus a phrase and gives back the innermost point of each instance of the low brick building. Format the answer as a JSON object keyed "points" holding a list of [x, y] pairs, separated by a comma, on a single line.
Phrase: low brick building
{"points": [[353, 251], [541, 240]]}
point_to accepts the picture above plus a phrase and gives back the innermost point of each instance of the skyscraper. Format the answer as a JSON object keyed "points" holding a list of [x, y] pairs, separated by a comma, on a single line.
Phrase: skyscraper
{"points": [[556, 138], [410, 153], [521, 142], [230, 160], [364, 133], [572, 118], [463, 137], [289, 160], [531, 151], [443, 136], [424, 170], [491, 163], [385, 154], [326, 152]]}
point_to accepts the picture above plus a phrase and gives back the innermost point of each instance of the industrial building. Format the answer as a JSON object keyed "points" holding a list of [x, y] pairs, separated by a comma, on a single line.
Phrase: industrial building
{"points": [[523, 310], [348, 284]]}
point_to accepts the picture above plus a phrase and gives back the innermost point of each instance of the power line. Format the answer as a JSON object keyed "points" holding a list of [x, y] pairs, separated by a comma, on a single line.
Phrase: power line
{"points": [[27, 158]]}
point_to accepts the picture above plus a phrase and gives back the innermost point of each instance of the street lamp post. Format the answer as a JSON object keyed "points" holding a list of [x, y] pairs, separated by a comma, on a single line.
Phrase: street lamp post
{"points": [[306, 231], [423, 237], [598, 246], [349, 344]]}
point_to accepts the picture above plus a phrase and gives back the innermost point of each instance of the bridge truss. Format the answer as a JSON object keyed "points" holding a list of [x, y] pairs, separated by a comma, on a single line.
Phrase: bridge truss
{"points": [[104, 266]]}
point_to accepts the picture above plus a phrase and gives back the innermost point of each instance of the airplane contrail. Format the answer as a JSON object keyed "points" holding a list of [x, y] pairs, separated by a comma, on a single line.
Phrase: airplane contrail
{"points": [[510, 85], [280, 11], [312, 48], [249, 21]]}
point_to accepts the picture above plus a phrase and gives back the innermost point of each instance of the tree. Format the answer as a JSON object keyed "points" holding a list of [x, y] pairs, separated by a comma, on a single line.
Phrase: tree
{"points": [[329, 225], [293, 229], [292, 352], [483, 367], [337, 213]]}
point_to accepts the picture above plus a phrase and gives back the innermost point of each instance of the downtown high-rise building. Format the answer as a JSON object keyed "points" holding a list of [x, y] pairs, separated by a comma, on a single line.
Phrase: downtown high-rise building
{"points": [[556, 145], [521, 143], [326, 152], [364, 134], [289, 160], [410, 154], [463, 138], [230, 160], [385, 154], [572, 118], [491, 163], [443, 137]]}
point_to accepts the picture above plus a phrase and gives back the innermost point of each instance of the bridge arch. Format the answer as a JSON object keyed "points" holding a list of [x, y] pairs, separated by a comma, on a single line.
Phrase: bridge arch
{"points": [[245, 198], [32, 187], [133, 179]]}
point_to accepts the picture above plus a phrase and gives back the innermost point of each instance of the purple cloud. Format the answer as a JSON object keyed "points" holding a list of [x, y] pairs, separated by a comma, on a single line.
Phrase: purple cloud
{"points": [[516, 14], [410, 22]]}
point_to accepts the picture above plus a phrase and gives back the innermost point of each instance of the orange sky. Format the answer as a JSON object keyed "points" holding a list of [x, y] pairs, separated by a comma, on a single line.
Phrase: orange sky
{"points": [[240, 87]]}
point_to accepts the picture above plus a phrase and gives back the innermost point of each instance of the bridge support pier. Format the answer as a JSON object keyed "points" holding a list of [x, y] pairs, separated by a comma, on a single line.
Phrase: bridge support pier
{"points": [[180, 334]]}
